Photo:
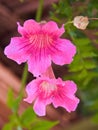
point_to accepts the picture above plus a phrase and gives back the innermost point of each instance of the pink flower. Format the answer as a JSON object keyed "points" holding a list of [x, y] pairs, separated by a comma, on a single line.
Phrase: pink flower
{"points": [[44, 91], [39, 44]]}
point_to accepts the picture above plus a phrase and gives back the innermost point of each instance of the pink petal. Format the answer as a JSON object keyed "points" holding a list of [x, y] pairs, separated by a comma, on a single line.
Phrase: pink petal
{"points": [[64, 96], [29, 27], [31, 90], [64, 52], [17, 50], [70, 104], [39, 108], [52, 28], [70, 87], [38, 63]]}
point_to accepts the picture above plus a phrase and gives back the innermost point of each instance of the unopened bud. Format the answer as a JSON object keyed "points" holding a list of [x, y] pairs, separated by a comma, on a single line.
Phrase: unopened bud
{"points": [[81, 22]]}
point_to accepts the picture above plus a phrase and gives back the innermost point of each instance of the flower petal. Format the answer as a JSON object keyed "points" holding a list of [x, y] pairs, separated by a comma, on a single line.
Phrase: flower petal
{"points": [[31, 90], [39, 107], [64, 51], [29, 27], [70, 87], [70, 104], [38, 63], [52, 28], [17, 50], [64, 96]]}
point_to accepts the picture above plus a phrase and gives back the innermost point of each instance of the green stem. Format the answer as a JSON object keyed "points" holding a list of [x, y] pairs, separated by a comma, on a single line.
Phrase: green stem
{"points": [[69, 22], [39, 11], [24, 77]]}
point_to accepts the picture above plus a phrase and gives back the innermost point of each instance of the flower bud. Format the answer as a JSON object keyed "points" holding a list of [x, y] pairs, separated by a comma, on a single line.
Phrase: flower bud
{"points": [[81, 22]]}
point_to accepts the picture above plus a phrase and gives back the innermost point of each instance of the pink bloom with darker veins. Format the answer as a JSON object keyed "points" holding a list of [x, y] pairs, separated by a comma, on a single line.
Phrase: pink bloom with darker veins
{"points": [[44, 91], [38, 45]]}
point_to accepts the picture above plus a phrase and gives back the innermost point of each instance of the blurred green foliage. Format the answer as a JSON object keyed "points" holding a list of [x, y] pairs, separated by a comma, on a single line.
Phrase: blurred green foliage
{"points": [[83, 70], [27, 120]]}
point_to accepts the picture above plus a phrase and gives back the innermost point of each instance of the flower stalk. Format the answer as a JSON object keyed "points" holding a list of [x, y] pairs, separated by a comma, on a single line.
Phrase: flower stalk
{"points": [[39, 11]]}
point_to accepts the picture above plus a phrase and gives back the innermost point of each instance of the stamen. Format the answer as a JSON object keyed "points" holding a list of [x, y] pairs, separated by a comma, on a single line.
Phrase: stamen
{"points": [[48, 87], [41, 40]]}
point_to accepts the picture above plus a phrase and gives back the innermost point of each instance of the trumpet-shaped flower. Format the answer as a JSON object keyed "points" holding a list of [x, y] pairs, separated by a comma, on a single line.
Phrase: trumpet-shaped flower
{"points": [[38, 45], [44, 91]]}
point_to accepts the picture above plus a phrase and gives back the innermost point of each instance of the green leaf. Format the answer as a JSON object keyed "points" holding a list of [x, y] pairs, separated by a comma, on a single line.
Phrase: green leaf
{"points": [[90, 64], [89, 54], [93, 24], [62, 9], [54, 6], [28, 117], [88, 79], [75, 68], [94, 106], [8, 126], [44, 125], [95, 118], [13, 102], [14, 119], [76, 64], [82, 41], [83, 74]]}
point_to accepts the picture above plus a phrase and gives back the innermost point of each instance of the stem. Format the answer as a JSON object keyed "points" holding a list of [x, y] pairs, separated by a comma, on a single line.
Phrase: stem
{"points": [[68, 23], [24, 77], [39, 11], [93, 18]]}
